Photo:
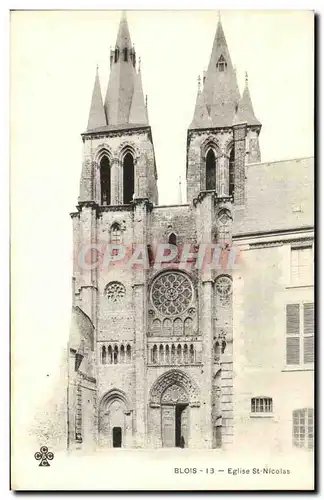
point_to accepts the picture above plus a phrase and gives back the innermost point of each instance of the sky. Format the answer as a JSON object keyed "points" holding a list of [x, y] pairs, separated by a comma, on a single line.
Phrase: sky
{"points": [[53, 62]]}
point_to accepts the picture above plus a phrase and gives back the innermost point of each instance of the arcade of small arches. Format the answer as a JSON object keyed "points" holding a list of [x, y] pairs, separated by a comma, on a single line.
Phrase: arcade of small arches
{"points": [[115, 354], [169, 327], [173, 354]]}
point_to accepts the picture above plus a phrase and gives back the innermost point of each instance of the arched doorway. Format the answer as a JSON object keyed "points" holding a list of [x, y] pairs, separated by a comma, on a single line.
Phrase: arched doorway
{"points": [[115, 420], [173, 410]]}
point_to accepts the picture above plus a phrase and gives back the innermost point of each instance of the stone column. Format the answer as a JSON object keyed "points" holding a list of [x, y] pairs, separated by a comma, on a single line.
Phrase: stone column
{"points": [[141, 207], [239, 153], [220, 175], [204, 224], [115, 174], [88, 233]]}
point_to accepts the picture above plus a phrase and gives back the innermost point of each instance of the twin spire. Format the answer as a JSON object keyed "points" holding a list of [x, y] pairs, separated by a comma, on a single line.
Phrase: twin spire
{"points": [[219, 103], [124, 103]]}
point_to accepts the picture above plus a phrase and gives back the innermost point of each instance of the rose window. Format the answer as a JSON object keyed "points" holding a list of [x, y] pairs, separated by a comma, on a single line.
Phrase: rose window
{"points": [[115, 291], [224, 286], [171, 293]]}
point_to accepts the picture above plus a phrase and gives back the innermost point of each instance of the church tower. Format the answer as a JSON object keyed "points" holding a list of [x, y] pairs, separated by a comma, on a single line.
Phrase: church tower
{"points": [[118, 189], [223, 134]]}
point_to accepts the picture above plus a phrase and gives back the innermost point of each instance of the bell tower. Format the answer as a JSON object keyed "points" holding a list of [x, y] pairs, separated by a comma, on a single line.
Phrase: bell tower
{"points": [[118, 190], [119, 163], [223, 134]]}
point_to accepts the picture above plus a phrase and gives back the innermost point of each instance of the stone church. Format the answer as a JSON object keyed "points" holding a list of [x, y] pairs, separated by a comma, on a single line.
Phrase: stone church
{"points": [[196, 357]]}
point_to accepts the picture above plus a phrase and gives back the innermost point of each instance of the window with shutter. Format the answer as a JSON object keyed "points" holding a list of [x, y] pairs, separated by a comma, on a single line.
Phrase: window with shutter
{"points": [[299, 334], [292, 331]]}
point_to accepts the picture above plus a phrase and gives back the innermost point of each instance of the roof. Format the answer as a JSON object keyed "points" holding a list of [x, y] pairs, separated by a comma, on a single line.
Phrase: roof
{"points": [[97, 117], [279, 195]]}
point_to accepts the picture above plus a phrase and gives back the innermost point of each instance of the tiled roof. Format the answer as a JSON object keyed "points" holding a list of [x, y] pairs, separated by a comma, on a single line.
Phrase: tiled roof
{"points": [[279, 195]]}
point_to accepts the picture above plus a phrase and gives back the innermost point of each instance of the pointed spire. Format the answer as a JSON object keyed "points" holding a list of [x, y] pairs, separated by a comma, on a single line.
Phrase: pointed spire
{"points": [[123, 37], [122, 77], [245, 111], [138, 112], [97, 116], [201, 117], [220, 87]]}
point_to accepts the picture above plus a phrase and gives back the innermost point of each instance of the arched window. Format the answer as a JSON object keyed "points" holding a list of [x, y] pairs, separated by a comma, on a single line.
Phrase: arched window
{"points": [[115, 355], [172, 354], [221, 64], [192, 354], [128, 353], [105, 181], [122, 354], [167, 355], [172, 239], [223, 346], [154, 357], [156, 328], [161, 354], [210, 170], [110, 356], [231, 173], [115, 234], [103, 355], [179, 353], [167, 327], [188, 328], [128, 178], [177, 327], [216, 352], [185, 353], [116, 54], [125, 54]]}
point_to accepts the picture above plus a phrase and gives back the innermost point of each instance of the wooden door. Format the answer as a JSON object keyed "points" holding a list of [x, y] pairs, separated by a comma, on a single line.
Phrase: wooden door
{"points": [[185, 425], [168, 426]]}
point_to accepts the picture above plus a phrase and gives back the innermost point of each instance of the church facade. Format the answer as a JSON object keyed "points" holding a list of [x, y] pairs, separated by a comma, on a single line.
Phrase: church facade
{"points": [[163, 354]]}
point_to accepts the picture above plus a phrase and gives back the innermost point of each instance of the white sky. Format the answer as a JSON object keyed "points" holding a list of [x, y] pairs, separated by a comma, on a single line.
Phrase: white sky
{"points": [[53, 61]]}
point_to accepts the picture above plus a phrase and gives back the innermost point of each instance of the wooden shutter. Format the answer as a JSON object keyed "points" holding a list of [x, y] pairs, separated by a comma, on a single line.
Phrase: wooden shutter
{"points": [[309, 349], [292, 331], [292, 350], [292, 319], [309, 333], [308, 318]]}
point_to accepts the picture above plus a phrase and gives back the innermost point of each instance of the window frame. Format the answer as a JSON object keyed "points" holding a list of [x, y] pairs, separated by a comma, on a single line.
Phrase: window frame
{"points": [[257, 412], [295, 246], [308, 441]]}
